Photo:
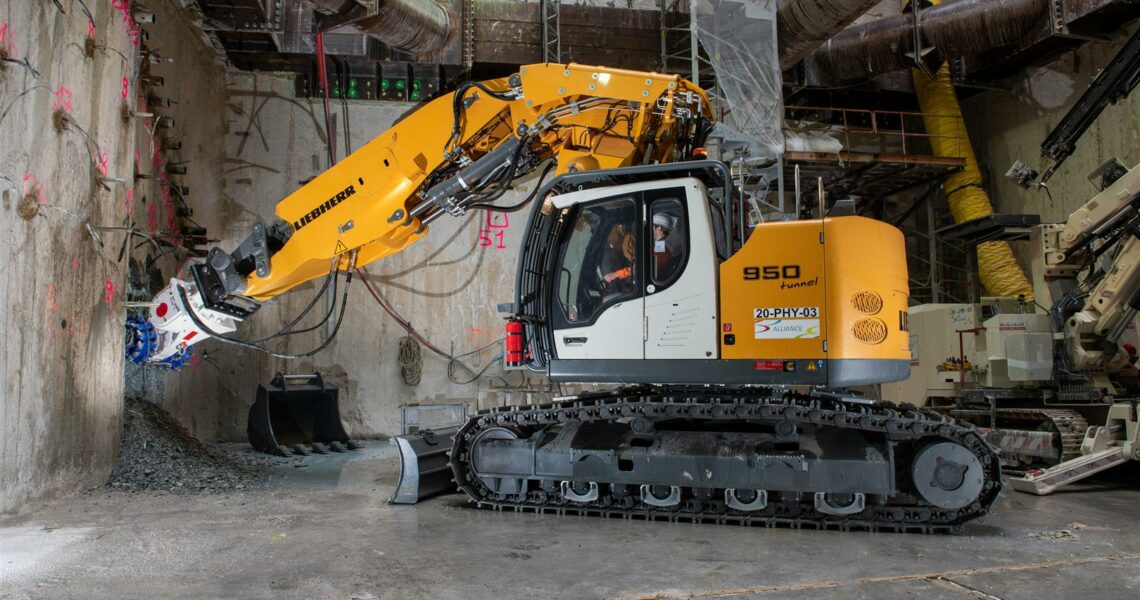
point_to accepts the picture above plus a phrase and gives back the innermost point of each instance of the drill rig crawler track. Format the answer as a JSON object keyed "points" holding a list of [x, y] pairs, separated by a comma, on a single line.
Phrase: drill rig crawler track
{"points": [[1067, 426], [750, 456]]}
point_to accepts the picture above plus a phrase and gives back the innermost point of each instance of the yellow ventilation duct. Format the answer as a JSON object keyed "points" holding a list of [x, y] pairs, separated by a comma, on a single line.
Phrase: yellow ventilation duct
{"points": [[999, 271]]}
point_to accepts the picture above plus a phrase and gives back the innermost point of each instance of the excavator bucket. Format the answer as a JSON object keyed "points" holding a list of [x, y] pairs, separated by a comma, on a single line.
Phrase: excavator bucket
{"points": [[297, 414], [425, 470]]}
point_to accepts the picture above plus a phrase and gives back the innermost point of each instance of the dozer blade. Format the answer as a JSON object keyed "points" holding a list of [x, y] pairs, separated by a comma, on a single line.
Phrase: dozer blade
{"points": [[424, 467], [296, 411]]}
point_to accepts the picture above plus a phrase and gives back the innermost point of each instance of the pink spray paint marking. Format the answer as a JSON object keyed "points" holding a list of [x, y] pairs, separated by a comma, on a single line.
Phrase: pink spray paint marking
{"points": [[130, 204], [152, 217], [494, 234], [124, 8], [90, 29], [195, 361], [51, 307], [109, 296], [51, 303], [8, 38], [33, 186], [498, 220], [101, 162], [125, 92], [62, 100]]}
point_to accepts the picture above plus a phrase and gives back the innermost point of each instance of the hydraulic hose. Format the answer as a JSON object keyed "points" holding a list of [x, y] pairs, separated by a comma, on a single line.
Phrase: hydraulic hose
{"points": [[999, 271]]}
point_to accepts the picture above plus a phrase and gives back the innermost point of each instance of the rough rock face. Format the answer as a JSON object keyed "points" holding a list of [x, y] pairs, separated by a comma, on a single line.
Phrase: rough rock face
{"points": [[158, 455]]}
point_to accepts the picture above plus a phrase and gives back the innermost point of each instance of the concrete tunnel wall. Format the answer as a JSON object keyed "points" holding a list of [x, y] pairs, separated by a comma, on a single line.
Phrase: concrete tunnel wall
{"points": [[62, 293], [60, 401], [1010, 124]]}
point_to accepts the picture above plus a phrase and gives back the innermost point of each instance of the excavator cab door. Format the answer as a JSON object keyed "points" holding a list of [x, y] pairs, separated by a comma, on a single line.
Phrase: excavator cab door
{"points": [[636, 275], [681, 278], [599, 310]]}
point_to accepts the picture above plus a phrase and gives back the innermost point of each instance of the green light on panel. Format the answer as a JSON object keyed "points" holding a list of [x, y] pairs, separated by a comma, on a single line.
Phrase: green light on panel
{"points": [[401, 84], [385, 84], [336, 91], [352, 93], [352, 83], [415, 95], [417, 84]]}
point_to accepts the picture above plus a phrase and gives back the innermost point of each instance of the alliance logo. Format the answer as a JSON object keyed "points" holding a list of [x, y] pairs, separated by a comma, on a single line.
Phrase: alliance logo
{"points": [[324, 207]]}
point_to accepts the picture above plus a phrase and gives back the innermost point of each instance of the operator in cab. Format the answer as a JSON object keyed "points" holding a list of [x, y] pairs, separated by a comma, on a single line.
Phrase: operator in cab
{"points": [[663, 263]]}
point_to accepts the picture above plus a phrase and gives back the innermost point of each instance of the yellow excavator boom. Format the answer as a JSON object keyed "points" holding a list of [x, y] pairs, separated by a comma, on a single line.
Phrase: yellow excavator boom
{"points": [[458, 151], [585, 117]]}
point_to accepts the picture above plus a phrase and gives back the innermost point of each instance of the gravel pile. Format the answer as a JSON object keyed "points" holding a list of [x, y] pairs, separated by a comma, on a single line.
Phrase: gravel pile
{"points": [[158, 455]]}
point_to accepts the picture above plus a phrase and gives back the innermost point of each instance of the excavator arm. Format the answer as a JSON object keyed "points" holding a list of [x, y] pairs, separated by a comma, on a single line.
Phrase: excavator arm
{"points": [[459, 152]]}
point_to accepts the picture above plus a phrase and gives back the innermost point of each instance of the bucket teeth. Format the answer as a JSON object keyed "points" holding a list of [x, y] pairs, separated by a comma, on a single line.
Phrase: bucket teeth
{"points": [[296, 415]]}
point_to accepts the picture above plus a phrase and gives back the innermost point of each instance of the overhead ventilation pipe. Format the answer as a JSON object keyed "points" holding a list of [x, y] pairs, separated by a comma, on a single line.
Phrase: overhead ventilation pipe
{"points": [[416, 26], [802, 25], [999, 271], [952, 29]]}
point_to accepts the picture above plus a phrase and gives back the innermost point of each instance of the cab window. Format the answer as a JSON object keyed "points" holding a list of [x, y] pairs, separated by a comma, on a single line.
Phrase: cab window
{"points": [[669, 243], [599, 261]]}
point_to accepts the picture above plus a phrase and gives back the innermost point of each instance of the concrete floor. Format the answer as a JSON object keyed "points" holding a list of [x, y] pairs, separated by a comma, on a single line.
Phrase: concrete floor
{"points": [[324, 531]]}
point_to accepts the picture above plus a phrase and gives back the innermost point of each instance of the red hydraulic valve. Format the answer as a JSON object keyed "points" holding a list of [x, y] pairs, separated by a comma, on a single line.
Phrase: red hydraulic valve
{"points": [[515, 343]]}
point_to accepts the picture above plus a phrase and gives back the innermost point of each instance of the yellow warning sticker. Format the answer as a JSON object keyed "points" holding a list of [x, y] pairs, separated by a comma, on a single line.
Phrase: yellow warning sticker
{"points": [[811, 365], [340, 248]]}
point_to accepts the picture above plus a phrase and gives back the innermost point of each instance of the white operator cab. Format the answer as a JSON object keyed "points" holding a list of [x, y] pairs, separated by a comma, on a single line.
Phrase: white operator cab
{"points": [[637, 273]]}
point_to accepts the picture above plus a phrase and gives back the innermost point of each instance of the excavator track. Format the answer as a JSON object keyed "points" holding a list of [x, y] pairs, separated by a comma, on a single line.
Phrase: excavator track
{"points": [[909, 434]]}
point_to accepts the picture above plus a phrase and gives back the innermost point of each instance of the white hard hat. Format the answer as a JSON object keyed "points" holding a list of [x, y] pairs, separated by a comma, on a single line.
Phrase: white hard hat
{"points": [[663, 220]]}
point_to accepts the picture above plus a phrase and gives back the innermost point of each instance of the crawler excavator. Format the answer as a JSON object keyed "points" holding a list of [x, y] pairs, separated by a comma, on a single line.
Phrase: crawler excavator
{"points": [[730, 349]]}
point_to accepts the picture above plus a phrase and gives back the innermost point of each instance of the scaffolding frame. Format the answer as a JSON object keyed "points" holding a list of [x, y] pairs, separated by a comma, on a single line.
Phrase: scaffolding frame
{"points": [[551, 16]]}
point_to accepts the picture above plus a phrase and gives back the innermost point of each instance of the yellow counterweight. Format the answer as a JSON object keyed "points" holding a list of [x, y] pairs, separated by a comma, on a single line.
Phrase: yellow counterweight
{"points": [[831, 289]]}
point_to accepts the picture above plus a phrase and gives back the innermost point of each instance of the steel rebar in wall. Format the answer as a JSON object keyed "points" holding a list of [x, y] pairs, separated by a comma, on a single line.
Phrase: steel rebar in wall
{"points": [[953, 29], [803, 25], [416, 26]]}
